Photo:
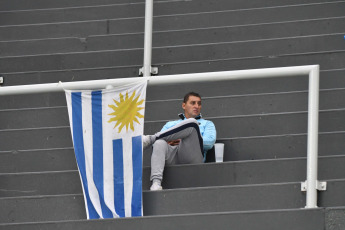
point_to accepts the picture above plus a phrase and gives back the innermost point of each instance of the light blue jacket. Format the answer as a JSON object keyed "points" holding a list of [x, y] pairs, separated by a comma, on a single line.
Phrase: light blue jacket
{"points": [[207, 131]]}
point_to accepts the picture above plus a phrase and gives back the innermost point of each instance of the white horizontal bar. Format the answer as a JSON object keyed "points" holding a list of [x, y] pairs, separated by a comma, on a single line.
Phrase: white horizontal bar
{"points": [[160, 80]]}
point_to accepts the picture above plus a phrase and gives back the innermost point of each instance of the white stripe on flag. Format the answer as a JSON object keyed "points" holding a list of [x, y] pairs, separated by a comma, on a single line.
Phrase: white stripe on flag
{"points": [[128, 174], [108, 158], [88, 148]]}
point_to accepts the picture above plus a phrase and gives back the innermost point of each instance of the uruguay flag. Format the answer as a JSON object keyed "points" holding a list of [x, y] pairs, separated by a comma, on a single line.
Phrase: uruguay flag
{"points": [[107, 128]]}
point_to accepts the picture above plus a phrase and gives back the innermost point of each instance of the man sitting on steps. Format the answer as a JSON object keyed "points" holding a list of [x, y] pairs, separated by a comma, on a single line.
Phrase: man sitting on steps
{"points": [[183, 141]]}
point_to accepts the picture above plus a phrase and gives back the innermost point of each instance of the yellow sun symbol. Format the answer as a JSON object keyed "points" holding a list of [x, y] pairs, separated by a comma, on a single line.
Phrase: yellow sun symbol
{"points": [[126, 111]]}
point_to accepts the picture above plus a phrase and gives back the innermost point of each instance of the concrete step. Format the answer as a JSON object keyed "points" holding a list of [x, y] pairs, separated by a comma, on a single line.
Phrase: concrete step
{"points": [[37, 160], [213, 107], [246, 172], [130, 10], [41, 46], [9, 5], [267, 125], [165, 38], [44, 183], [42, 208], [181, 176], [73, 14], [328, 61], [177, 201], [211, 51], [237, 198], [280, 146], [271, 147], [303, 219], [246, 104], [248, 40], [174, 21]]}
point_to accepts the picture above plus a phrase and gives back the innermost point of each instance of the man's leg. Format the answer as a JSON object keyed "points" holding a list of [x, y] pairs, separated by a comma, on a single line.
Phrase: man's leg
{"points": [[190, 149], [162, 153]]}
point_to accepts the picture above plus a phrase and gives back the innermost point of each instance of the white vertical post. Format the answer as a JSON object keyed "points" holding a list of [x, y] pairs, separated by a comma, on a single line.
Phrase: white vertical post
{"points": [[313, 128], [146, 70]]}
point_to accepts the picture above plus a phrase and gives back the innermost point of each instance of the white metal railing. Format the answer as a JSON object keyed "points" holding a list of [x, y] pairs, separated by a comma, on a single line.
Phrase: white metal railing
{"points": [[310, 186], [147, 69]]}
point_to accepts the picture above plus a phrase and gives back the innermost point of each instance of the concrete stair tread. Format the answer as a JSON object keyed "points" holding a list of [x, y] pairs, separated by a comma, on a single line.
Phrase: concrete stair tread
{"points": [[133, 10], [284, 45], [162, 56], [174, 201], [284, 145], [244, 220], [16, 5], [179, 37], [27, 161], [128, 10], [30, 5], [249, 107], [195, 20], [179, 176]]}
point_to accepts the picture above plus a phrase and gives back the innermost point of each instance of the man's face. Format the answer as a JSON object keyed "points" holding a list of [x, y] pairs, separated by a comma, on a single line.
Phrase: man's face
{"points": [[192, 107]]}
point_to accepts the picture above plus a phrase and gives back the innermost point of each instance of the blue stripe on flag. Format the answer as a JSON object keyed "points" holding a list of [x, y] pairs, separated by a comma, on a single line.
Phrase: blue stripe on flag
{"points": [[97, 131], [137, 175], [119, 196], [79, 148]]}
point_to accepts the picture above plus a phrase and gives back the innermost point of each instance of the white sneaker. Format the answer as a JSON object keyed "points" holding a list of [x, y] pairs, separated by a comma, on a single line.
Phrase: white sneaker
{"points": [[156, 187], [146, 141]]}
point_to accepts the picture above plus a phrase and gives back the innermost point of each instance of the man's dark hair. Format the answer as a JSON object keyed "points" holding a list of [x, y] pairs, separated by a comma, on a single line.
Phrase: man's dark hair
{"points": [[186, 97]]}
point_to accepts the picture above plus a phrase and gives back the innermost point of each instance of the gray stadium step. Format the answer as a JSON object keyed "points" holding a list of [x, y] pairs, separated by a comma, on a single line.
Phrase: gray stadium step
{"points": [[248, 104], [175, 201], [174, 22], [182, 176], [42, 46], [42, 208], [215, 51], [40, 183], [328, 61], [280, 146], [37, 160], [238, 198], [266, 124], [9, 5], [57, 15], [303, 219], [184, 37], [227, 127], [246, 172], [129, 10], [240, 106], [271, 147]]}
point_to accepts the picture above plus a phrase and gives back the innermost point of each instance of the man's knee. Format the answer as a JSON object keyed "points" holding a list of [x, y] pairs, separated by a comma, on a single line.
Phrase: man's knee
{"points": [[160, 144]]}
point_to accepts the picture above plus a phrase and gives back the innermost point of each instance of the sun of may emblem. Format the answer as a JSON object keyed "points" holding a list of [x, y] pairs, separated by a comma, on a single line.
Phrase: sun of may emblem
{"points": [[126, 111]]}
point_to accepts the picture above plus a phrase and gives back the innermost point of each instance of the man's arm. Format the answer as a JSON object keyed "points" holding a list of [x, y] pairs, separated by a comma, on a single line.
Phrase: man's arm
{"points": [[209, 136], [168, 125]]}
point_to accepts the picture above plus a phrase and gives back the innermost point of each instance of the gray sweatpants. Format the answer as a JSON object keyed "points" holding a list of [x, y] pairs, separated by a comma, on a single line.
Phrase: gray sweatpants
{"points": [[189, 151]]}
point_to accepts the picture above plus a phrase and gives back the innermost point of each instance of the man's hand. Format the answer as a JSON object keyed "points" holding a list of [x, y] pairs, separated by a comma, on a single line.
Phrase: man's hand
{"points": [[174, 142]]}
